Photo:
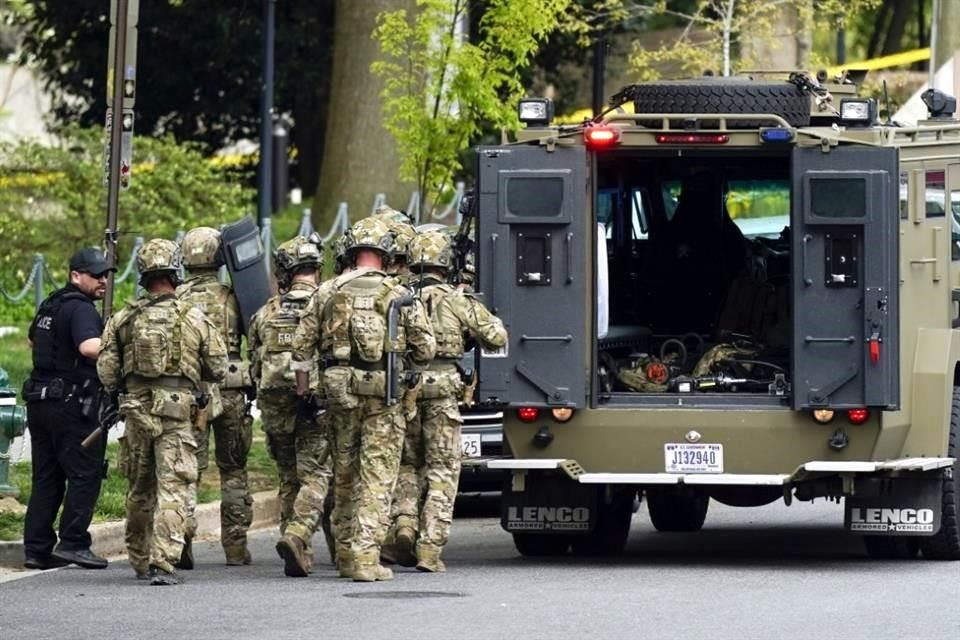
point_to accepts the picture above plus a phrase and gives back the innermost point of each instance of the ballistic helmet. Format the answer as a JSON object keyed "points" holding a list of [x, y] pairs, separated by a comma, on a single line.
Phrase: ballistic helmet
{"points": [[399, 223], [202, 248], [159, 255], [431, 249], [370, 233]]}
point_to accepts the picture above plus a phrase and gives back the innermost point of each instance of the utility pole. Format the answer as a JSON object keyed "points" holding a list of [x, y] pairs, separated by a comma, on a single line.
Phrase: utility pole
{"points": [[121, 94], [945, 38], [266, 114]]}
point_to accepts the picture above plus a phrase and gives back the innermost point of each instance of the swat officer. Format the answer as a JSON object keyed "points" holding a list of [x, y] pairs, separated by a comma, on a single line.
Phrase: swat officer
{"points": [[62, 396], [156, 352], [296, 437], [366, 321], [453, 316], [228, 412]]}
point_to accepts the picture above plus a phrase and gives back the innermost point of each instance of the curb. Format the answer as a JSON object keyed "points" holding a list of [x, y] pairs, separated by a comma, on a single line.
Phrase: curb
{"points": [[108, 537]]}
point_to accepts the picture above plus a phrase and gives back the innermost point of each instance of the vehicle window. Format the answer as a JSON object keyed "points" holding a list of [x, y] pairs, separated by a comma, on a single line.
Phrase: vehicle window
{"points": [[933, 195], [605, 210], [639, 215], [955, 224], [759, 207], [670, 190], [904, 202]]}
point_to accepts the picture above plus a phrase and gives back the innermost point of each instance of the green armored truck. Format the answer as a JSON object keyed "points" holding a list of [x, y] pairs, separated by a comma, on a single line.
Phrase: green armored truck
{"points": [[746, 290]]}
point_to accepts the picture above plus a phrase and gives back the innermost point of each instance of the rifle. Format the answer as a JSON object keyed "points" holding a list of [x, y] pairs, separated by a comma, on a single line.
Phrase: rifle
{"points": [[108, 414], [463, 243], [393, 318]]}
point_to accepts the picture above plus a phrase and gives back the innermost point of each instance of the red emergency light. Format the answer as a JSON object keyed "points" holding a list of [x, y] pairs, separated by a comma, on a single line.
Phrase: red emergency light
{"points": [[601, 137]]}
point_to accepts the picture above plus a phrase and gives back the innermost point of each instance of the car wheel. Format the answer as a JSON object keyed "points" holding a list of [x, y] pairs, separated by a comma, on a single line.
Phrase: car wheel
{"points": [[674, 511], [610, 534], [945, 544], [891, 547]]}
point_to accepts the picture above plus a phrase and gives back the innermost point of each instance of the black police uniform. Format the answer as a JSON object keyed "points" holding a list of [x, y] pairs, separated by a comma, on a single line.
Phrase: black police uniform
{"points": [[61, 395]]}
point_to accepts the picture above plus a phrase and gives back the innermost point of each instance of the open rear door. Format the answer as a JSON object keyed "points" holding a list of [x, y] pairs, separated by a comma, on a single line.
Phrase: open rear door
{"points": [[531, 269], [845, 278]]}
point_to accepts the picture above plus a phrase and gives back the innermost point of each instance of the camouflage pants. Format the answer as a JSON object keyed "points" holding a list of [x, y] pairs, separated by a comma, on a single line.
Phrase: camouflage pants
{"points": [[232, 434], [367, 449], [440, 424], [407, 493], [162, 475], [301, 449]]}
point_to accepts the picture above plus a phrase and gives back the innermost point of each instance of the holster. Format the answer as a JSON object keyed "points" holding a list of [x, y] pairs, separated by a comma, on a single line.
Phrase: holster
{"points": [[201, 414], [46, 391]]}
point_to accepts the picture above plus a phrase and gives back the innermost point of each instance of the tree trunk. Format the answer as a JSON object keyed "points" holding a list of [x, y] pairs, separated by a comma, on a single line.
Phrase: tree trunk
{"points": [[898, 24], [948, 33], [879, 28], [359, 155]]}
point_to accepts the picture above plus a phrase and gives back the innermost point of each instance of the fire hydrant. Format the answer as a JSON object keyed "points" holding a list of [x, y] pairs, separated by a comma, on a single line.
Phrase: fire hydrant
{"points": [[13, 420]]}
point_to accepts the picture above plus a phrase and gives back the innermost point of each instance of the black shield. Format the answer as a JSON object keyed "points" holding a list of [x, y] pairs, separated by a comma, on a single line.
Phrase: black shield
{"points": [[247, 263]]}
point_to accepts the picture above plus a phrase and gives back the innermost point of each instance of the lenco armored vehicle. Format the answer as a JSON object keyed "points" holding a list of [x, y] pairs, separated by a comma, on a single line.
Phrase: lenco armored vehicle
{"points": [[747, 290]]}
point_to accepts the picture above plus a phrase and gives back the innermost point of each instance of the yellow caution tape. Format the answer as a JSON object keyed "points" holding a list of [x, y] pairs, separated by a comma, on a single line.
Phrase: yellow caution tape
{"points": [[884, 62]]}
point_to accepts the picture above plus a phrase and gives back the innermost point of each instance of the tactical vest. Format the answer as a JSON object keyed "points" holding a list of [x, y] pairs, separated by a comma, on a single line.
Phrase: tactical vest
{"points": [[279, 321], [154, 342], [355, 319], [213, 298], [446, 326], [51, 355]]}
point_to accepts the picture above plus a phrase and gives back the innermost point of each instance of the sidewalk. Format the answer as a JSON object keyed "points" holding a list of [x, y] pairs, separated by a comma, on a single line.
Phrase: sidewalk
{"points": [[108, 536]]}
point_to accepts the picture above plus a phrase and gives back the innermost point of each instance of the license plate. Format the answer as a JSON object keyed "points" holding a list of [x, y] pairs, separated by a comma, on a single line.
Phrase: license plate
{"points": [[470, 445], [693, 458]]}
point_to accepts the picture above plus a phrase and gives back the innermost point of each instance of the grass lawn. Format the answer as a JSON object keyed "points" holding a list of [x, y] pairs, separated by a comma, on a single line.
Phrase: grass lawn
{"points": [[262, 473]]}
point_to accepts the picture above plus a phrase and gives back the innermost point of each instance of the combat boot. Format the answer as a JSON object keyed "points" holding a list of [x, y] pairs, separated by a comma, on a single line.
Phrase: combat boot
{"points": [[237, 554], [186, 556], [388, 553], [406, 539], [345, 564], [371, 573], [293, 552], [428, 559], [161, 577]]}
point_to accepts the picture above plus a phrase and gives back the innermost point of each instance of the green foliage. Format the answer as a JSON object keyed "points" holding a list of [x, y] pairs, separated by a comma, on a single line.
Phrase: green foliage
{"points": [[440, 89], [199, 67], [16, 358], [715, 31], [54, 198], [11, 525]]}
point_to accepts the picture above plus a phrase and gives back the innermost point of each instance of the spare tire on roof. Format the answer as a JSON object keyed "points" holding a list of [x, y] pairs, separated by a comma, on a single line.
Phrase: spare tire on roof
{"points": [[722, 95]]}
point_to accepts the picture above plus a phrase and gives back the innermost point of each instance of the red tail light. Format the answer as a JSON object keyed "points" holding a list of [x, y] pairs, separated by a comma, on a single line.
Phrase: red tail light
{"points": [[601, 137], [692, 138], [858, 416], [528, 414]]}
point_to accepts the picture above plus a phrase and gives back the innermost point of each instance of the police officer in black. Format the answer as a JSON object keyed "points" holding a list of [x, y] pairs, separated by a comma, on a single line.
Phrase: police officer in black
{"points": [[61, 395]]}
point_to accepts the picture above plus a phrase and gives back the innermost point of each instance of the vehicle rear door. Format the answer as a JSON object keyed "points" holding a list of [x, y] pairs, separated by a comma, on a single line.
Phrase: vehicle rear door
{"points": [[845, 277], [531, 269]]}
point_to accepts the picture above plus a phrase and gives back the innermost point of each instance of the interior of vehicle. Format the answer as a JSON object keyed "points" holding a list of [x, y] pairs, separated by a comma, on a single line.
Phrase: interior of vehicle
{"points": [[696, 292]]}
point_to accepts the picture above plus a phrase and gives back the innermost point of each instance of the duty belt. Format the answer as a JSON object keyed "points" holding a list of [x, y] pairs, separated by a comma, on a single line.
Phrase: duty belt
{"points": [[363, 365], [177, 382]]}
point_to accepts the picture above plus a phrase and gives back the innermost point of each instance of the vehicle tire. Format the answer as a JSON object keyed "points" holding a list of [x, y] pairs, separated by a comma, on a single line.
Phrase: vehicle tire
{"points": [[674, 511], [892, 547], [539, 545], [722, 95], [610, 534], [945, 544]]}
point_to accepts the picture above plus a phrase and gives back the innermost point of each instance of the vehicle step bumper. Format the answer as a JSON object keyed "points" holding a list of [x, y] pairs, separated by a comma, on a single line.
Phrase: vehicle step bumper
{"points": [[810, 469]]}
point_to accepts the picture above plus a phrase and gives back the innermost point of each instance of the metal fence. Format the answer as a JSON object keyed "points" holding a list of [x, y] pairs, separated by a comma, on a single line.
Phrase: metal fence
{"points": [[40, 273]]}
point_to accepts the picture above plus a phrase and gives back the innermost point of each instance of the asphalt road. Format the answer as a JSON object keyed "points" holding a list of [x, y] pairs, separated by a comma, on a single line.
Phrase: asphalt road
{"points": [[768, 572]]}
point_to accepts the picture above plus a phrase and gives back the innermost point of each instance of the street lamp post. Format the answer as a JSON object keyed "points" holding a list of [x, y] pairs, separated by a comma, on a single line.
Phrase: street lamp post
{"points": [[266, 113]]}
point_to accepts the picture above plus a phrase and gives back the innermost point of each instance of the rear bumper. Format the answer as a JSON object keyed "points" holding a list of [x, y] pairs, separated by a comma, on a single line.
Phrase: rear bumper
{"points": [[806, 471]]}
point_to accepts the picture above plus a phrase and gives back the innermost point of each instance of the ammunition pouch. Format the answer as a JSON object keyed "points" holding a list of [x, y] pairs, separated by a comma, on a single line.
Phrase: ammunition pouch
{"points": [[338, 388], [441, 384], [369, 383]]}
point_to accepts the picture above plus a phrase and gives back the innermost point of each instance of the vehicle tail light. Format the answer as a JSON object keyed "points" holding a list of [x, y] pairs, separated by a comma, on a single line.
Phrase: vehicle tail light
{"points": [[601, 137], [528, 414], [562, 414], [858, 416], [692, 138]]}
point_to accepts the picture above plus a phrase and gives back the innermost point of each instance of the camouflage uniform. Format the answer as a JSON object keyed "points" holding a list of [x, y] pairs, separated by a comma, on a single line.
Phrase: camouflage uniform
{"points": [[232, 426], [157, 351], [452, 315], [297, 441], [350, 329]]}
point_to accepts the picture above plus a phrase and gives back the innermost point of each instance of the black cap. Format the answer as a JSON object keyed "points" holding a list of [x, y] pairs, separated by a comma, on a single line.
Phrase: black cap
{"points": [[92, 261]]}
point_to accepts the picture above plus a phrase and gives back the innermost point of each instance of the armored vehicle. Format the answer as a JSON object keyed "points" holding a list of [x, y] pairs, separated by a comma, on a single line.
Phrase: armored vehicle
{"points": [[746, 291]]}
